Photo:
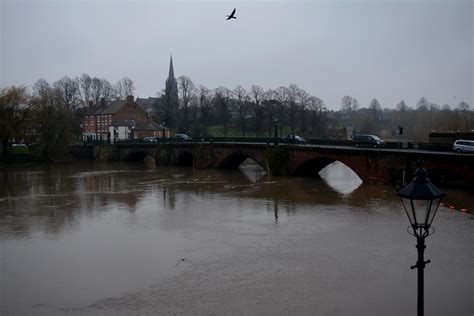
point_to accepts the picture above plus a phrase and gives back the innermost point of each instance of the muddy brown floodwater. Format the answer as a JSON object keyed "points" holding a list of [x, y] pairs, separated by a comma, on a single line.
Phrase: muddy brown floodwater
{"points": [[109, 239]]}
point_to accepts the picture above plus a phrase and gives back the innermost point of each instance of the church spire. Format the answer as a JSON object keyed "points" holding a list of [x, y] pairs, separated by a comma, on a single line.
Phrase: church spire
{"points": [[171, 74], [170, 98]]}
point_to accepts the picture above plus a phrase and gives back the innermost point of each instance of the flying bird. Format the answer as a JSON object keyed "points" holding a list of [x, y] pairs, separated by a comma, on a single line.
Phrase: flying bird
{"points": [[231, 16]]}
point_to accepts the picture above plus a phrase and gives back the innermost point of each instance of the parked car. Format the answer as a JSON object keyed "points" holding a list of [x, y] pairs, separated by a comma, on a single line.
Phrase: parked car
{"points": [[294, 139], [150, 139], [462, 145], [182, 138], [364, 140]]}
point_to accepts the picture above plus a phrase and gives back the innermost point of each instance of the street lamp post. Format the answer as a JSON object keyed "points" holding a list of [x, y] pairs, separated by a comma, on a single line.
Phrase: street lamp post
{"points": [[420, 199]]}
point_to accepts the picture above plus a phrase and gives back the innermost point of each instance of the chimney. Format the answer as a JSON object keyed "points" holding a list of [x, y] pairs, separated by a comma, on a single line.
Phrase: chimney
{"points": [[130, 99], [102, 103]]}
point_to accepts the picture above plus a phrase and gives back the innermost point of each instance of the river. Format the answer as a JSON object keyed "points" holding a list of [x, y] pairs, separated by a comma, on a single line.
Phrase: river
{"points": [[117, 238]]}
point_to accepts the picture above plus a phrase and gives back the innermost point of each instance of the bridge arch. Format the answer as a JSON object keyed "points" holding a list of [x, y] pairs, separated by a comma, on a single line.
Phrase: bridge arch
{"points": [[235, 159], [137, 155], [185, 158]]}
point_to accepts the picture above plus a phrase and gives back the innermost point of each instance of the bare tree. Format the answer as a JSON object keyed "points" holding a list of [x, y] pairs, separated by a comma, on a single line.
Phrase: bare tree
{"points": [[52, 119], [446, 107], [303, 97], [349, 104], [281, 108], [222, 97], [69, 92], [186, 91], [316, 109], [434, 107], [85, 83], [402, 106], [96, 90], [270, 105], [292, 94], [205, 106], [123, 88], [119, 91], [257, 93], [375, 108], [107, 90], [241, 101], [128, 86], [463, 106], [42, 89], [423, 104]]}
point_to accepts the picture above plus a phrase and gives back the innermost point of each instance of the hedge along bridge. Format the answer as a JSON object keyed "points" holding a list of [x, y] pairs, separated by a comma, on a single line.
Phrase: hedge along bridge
{"points": [[371, 165]]}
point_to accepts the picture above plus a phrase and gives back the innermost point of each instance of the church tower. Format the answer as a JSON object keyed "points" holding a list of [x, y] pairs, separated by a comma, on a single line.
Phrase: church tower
{"points": [[170, 99]]}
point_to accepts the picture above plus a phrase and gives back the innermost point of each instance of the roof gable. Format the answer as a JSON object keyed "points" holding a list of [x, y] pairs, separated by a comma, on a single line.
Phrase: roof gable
{"points": [[113, 107]]}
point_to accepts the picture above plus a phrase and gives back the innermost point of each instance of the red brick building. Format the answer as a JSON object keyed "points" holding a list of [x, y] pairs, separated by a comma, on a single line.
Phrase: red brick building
{"points": [[98, 118], [118, 120]]}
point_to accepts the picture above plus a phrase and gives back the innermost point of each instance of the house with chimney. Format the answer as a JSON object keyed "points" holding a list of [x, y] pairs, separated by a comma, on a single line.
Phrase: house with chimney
{"points": [[130, 118], [117, 120]]}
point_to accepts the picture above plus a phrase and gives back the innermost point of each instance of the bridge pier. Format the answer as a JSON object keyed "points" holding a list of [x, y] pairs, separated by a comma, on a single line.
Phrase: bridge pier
{"points": [[150, 162]]}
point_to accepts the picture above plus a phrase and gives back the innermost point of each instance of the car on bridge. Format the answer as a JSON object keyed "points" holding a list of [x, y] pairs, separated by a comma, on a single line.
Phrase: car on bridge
{"points": [[365, 140], [462, 145], [182, 138], [294, 139], [150, 139]]}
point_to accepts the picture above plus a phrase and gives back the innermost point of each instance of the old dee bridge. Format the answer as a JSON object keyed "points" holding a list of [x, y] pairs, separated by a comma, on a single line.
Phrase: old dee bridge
{"points": [[371, 165]]}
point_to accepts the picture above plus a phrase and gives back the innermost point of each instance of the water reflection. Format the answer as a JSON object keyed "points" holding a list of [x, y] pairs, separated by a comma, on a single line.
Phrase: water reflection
{"points": [[52, 199], [252, 170], [340, 177]]}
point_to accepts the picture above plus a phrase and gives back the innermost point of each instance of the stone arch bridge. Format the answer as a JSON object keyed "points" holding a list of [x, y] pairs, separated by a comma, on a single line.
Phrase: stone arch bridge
{"points": [[371, 165]]}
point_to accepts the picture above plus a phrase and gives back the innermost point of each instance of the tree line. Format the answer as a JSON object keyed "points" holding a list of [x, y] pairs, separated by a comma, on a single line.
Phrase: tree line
{"points": [[416, 121], [247, 112], [256, 112], [53, 113]]}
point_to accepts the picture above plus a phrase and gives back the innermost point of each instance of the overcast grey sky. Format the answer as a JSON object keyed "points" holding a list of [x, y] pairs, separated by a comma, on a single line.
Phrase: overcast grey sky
{"points": [[389, 50]]}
